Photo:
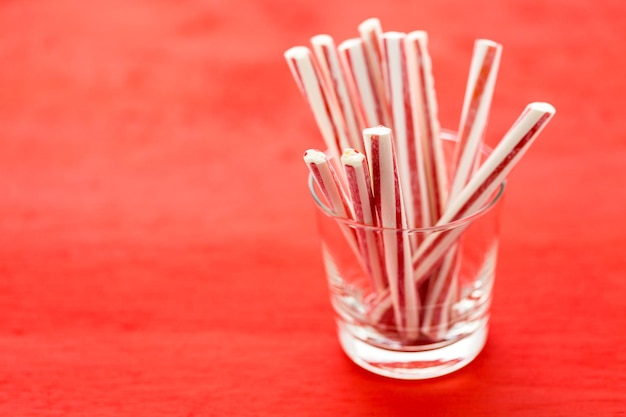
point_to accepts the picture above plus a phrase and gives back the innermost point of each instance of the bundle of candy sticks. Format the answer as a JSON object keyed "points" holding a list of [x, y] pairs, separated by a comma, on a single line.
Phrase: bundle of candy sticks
{"points": [[374, 101]]}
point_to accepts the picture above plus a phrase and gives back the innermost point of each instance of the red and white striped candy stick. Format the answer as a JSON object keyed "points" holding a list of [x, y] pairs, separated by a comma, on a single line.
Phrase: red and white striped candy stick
{"points": [[478, 95], [484, 183], [371, 32], [424, 107], [328, 59], [390, 206], [325, 108], [328, 183], [359, 77], [411, 175], [476, 105], [360, 187]]}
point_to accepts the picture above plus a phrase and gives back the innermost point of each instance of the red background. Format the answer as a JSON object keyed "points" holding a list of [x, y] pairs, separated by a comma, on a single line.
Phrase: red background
{"points": [[158, 250]]}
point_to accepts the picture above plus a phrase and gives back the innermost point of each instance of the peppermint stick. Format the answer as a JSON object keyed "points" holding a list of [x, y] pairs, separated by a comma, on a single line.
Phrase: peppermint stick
{"points": [[359, 185], [478, 95], [483, 184], [330, 66], [371, 33], [409, 156], [424, 108], [328, 183], [324, 107], [389, 204], [476, 105], [358, 76]]}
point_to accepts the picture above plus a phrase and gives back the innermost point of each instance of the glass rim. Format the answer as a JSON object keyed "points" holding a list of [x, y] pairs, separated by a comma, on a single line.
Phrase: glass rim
{"points": [[446, 135]]}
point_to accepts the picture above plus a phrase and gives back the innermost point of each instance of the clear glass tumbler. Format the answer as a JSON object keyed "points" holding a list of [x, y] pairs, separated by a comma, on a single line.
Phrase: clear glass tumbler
{"points": [[446, 327]]}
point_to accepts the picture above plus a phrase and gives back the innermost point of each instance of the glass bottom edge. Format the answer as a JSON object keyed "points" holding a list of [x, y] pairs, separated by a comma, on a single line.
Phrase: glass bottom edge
{"points": [[413, 365]]}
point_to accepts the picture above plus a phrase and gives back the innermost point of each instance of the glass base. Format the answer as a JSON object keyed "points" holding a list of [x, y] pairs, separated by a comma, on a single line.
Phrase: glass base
{"points": [[423, 364]]}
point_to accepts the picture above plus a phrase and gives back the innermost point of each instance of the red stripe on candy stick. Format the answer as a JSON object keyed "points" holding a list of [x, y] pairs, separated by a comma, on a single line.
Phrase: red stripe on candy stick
{"points": [[388, 198]]}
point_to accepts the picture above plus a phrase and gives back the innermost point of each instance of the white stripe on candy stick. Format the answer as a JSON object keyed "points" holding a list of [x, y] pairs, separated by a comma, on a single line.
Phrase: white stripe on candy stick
{"points": [[388, 199], [477, 102], [325, 109], [359, 186], [426, 122], [328, 59], [484, 183]]}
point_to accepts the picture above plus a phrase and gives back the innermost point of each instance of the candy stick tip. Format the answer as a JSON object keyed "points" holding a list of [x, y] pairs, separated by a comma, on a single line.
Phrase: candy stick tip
{"points": [[372, 22], [488, 42], [322, 38], [314, 156], [542, 106], [394, 35], [377, 130], [350, 43], [297, 52], [352, 157], [417, 34]]}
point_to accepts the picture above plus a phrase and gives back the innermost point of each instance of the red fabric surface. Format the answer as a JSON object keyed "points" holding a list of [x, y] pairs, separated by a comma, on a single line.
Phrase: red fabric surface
{"points": [[158, 250]]}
